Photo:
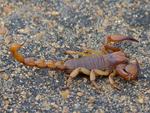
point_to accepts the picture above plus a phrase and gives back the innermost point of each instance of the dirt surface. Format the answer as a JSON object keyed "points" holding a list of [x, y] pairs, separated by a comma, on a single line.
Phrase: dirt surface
{"points": [[49, 28]]}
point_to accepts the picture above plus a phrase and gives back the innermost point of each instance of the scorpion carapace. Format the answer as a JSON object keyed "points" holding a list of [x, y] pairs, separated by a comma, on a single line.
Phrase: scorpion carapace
{"points": [[92, 65]]}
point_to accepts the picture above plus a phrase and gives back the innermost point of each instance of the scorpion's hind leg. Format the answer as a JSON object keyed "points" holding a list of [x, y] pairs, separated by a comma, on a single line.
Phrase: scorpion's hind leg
{"points": [[112, 81], [74, 73], [116, 38], [94, 73]]}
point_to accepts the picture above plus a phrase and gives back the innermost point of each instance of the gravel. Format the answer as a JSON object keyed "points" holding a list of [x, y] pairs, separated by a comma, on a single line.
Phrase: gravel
{"points": [[51, 27]]}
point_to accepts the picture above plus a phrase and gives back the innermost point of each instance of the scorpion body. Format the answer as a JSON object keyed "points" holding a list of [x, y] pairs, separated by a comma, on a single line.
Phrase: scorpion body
{"points": [[101, 62], [92, 65]]}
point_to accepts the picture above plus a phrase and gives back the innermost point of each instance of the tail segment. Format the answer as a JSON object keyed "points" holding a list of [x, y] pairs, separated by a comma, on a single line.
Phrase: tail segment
{"points": [[31, 62]]}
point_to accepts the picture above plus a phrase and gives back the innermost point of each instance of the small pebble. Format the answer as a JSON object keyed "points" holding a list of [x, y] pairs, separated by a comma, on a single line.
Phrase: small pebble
{"points": [[55, 13], [36, 16], [7, 10], [91, 100], [80, 94], [55, 106], [100, 12], [147, 92], [140, 100], [1, 62], [65, 110], [5, 76], [8, 39], [3, 30], [65, 94]]}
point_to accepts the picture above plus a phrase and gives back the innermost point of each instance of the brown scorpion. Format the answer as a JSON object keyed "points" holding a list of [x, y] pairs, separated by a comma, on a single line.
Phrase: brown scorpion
{"points": [[91, 65]]}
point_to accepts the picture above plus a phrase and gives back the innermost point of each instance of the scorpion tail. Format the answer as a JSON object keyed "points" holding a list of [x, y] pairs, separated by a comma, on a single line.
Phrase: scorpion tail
{"points": [[116, 38], [31, 62]]}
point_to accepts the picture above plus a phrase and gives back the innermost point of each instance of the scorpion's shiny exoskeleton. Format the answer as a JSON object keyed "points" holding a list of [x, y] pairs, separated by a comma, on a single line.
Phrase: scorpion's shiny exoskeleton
{"points": [[91, 65]]}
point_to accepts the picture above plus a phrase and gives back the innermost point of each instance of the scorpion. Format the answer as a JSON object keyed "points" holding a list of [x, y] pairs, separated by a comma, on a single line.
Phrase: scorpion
{"points": [[98, 64]]}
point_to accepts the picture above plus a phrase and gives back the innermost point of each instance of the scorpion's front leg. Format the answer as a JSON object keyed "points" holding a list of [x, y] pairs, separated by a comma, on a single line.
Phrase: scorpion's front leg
{"points": [[116, 38], [74, 73], [112, 81]]}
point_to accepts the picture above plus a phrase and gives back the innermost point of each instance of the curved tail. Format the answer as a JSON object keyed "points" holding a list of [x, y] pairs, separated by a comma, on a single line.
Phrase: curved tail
{"points": [[31, 62]]}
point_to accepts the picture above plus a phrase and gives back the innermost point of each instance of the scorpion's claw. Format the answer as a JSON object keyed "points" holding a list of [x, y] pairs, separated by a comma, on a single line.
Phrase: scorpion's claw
{"points": [[116, 38], [128, 72]]}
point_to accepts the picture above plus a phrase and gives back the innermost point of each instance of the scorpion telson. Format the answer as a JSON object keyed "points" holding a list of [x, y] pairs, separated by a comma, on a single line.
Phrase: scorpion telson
{"points": [[107, 64]]}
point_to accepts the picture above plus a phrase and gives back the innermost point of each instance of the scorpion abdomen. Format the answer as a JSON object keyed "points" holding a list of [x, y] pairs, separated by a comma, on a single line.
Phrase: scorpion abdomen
{"points": [[90, 62]]}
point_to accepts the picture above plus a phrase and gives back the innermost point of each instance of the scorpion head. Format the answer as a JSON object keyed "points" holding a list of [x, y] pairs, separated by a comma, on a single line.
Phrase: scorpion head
{"points": [[117, 58], [126, 70]]}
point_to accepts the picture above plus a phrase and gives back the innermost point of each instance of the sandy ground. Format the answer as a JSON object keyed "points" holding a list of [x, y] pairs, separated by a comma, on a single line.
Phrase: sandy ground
{"points": [[52, 26]]}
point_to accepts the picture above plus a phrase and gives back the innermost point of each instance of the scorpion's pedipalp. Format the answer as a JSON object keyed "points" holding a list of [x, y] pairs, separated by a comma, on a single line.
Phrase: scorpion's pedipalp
{"points": [[116, 38], [128, 72]]}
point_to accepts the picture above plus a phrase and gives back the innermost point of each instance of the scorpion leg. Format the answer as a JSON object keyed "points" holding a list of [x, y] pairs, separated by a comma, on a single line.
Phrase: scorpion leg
{"points": [[74, 73], [92, 51], [104, 50], [116, 38], [77, 53], [112, 81], [80, 53], [89, 50], [94, 73]]}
